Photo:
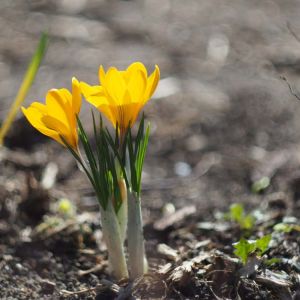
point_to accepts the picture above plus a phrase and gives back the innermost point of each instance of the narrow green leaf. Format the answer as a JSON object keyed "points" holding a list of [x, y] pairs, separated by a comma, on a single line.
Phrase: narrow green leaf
{"points": [[77, 157], [124, 146], [119, 159], [96, 137], [117, 137], [87, 147], [132, 158], [116, 187], [141, 157], [26, 84], [139, 135], [92, 163]]}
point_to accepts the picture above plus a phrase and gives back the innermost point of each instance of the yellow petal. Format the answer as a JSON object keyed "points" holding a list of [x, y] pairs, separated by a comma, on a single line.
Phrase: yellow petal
{"points": [[136, 66], [34, 116], [68, 108], [41, 107], [92, 91], [65, 95], [136, 86], [109, 112], [114, 86], [58, 108], [101, 74], [76, 96], [126, 114], [59, 127], [152, 84]]}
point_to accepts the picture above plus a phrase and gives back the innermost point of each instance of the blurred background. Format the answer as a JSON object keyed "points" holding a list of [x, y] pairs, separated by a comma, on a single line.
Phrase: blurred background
{"points": [[225, 127], [222, 119]]}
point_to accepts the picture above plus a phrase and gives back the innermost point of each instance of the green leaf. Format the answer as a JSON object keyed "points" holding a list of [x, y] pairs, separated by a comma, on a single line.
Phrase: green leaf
{"points": [[236, 212], [132, 162], [243, 249], [98, 167], [26, 84], [139, 135], [79, 160], [263, 243], [87, 148], [283, 227], [115, 186], [141, 158], [272, 261], [117, 137], [260, 185], [121, 162], [247, 222], [137, 151]]}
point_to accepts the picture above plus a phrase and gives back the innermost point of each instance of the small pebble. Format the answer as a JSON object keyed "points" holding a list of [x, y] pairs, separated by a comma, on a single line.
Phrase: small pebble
{"points": [[182, 169], [19, 267], [168, 209]]}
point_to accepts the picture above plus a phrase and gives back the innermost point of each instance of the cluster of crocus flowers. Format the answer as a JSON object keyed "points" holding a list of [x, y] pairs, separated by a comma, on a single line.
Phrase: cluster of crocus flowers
{"points": [[122, 94], [120, 97]]}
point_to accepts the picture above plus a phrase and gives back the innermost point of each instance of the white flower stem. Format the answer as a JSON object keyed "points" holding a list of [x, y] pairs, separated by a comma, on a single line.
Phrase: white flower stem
{"points": [[136, 248], [114, 241], [123, 211]]}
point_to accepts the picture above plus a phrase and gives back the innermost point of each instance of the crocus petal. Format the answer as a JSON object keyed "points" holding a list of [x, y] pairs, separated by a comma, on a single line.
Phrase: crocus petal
{"points": [[57, 117], [101, 74], [126, 114], [114, 85], [122, 94], [57, 107], [131, 112], [93, 94], [133, 68], [152, 84], [76, 96], [34, 117], [65, 95], [41, 107], [136, 86], [68, 105], [108, 112], [61, 129]]}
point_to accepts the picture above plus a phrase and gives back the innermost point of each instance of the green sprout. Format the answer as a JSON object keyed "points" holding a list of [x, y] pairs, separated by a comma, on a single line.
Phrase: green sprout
{"points": [[260, 185], [244, 248], [286, 228], [237, 214]]}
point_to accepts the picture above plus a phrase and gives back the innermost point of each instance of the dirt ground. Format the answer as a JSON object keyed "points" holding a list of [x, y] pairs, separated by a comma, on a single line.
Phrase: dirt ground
{"points": [[223, 120]]}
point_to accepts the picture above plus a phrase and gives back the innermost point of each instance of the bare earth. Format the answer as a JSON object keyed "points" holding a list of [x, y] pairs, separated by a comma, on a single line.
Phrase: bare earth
{"points": [[222, 119]]}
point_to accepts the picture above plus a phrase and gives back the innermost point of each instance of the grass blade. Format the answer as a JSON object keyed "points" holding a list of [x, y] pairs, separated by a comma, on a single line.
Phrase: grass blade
{"points": [[26, 84]]}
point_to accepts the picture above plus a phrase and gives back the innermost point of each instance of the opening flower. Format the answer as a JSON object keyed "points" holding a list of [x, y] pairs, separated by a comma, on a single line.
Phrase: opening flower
{"points": [[57, 117], [122, 94]]}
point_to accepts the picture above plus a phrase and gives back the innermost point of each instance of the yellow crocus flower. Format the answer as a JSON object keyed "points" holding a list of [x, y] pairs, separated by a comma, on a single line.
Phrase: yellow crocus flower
{"points": [[57, 117], [122, 94]]}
